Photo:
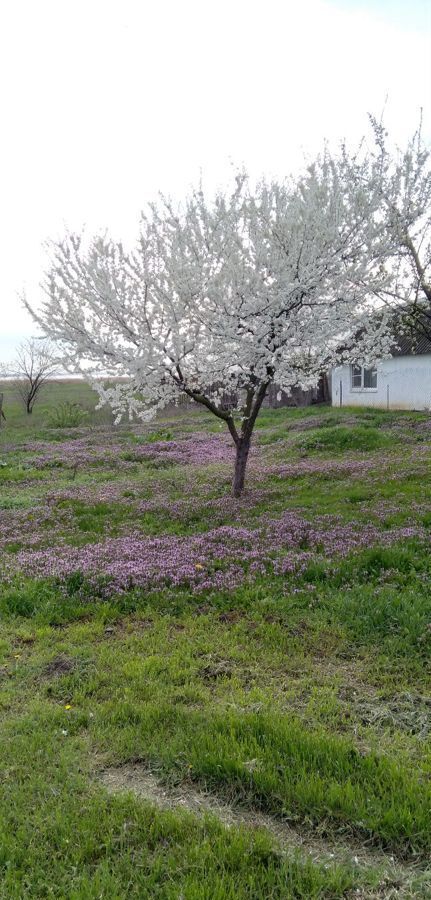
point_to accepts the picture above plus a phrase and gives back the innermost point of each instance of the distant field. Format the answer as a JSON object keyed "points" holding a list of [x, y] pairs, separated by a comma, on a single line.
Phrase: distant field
{"points": [[51, 394], [206, 698]]}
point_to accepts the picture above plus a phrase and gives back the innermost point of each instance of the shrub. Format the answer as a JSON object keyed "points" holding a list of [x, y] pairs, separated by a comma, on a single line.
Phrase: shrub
{"points": [[67, 415], [157, 436]]}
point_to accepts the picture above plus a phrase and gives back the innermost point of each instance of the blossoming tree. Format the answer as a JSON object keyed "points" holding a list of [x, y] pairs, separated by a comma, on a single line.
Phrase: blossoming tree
{"points": [[223, 296], [398, 186], [401, 183]]}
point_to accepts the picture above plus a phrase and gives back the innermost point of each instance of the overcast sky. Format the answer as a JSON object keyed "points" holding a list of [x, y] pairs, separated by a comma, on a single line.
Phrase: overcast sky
{"points": [[104, 102]]}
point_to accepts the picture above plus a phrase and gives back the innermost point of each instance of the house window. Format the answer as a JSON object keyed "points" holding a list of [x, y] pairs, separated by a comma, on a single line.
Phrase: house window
{"points": [[363, 379]]}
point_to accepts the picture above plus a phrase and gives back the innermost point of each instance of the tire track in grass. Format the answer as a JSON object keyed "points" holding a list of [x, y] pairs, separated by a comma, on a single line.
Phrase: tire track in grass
{"points": [[396, 879]]}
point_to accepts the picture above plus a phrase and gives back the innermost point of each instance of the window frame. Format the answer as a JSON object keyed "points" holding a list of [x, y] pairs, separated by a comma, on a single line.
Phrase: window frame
{"points": [[361, 388]]}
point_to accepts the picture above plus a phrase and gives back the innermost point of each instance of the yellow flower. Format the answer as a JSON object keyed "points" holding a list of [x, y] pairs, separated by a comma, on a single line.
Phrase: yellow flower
{"points": [[68, 706], [198, 566]]}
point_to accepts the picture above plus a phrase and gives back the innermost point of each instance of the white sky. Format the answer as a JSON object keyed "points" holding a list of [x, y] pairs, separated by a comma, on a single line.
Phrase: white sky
{"points": [[104, 102]]}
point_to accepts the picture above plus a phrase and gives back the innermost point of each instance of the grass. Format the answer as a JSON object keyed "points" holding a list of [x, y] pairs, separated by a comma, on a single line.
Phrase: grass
{"points": [[305, 696], [339, 439]]}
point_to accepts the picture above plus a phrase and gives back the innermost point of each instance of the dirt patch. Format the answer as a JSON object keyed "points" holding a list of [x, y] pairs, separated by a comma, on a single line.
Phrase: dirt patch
{"points": [[60, 665], [142, 624], [127, 627], [24, 640], [218, 669], [204, 609], [231, 616], [395, 877], [407, 712]]}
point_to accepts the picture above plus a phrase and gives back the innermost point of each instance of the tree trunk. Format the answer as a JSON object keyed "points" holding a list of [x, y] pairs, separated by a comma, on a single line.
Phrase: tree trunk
{"points": [[242, 451], [29, 409]]}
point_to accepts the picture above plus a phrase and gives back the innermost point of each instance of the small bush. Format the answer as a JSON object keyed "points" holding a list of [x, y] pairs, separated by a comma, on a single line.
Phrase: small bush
{"points": [[67, 415], [155, 436]]}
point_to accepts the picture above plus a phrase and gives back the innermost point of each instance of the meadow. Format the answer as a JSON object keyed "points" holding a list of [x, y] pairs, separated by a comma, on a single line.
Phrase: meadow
{"points": [[207, 698]]}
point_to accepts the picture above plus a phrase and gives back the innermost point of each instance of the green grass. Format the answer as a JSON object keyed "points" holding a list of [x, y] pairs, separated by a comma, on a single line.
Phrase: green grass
{"points": [[340, 439], [90, 845], [306, 698], [303, 775]]}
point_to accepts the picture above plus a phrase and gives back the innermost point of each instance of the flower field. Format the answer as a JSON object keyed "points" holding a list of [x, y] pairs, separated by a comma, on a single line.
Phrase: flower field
{"points": [[204, 697]]}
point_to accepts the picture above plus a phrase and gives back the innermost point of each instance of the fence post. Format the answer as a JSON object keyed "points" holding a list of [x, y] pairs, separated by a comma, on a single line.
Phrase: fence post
{"points": [[341, 393], [2, 415]]}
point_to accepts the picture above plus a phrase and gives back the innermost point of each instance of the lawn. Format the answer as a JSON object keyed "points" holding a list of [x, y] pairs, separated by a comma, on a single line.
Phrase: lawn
{"points": [[205, 698]]}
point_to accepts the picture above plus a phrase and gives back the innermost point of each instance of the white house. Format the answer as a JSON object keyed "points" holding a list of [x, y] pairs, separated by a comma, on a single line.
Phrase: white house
{"points": [[402, 382]]}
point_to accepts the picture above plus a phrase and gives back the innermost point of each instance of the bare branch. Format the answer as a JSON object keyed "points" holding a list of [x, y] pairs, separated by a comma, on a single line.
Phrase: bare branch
{"points": [[34, 365]]}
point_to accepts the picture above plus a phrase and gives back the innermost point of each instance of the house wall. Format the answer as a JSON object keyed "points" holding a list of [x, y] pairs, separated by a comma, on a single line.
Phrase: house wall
{"points": [[403, 382]]}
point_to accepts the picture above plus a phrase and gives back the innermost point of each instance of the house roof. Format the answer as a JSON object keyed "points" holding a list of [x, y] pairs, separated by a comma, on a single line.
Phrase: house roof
{"points": [[411, 345], [411, 336], [412, 339]]}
